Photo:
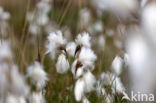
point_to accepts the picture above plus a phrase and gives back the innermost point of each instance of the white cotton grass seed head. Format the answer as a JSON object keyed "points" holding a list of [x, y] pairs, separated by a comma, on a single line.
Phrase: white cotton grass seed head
{"points": [[117, 65], [121, 8], [36, 97], [83, 40], [34, 29], [43, 6], [90, 81], [118, 86], [98, 26], [55, 40], [87, 57], [84, 18], [85, 100], [4, 15], [18, 84], [110, 99], [79, 89], [70, 48], [107, 78], [101, 42], [5, 50], [62, 65], [42, 20], [99, 87], [38, 75], [15, 99], [148, 16], [3, 79]]}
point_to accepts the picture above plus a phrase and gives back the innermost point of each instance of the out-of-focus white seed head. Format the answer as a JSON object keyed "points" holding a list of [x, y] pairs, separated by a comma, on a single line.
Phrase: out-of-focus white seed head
{"points": [[18, 84], [107, 78], [90, 81], [98, 27], [109, 99], [34, 29], [101, 42], [70, 48], [117, 65], [5, 50], [85, 100], [84, 18], [83, 40], [110, 32], [38, 75], [42, 20], [87, 57], [79, 89], [149, 22], [100, 90], [36, 97], [4, 15], [43, 6], [118, 86], [138, 51], [15, 99], [121, 8], [3, 78], [62, 64], [95, 28]]}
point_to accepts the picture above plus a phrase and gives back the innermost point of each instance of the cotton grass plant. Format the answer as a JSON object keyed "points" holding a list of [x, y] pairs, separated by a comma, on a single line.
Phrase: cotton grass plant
{"points": [[81, 51]]}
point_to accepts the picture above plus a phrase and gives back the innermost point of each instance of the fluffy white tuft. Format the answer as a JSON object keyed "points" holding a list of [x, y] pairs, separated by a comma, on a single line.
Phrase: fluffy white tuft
{"points": [[70, 48], [37, 74], [79, 89], [83, 39], [62, 64], [87, 57]]}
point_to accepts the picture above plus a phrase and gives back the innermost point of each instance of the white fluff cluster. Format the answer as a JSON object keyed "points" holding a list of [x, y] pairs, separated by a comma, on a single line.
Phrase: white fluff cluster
{"points": [[13, 87], [5, 50], [56, 42], [70, 48], [87, 57], [14, 99], [83, 64], [117, 65], [97, 27], [83, 40], [84, 18], [113, 83], [38, 75], [121, 8], [84, 85], [4, 26], [36, 97], [82, 67], [149, 22], [62, 64], [39, 18]]}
